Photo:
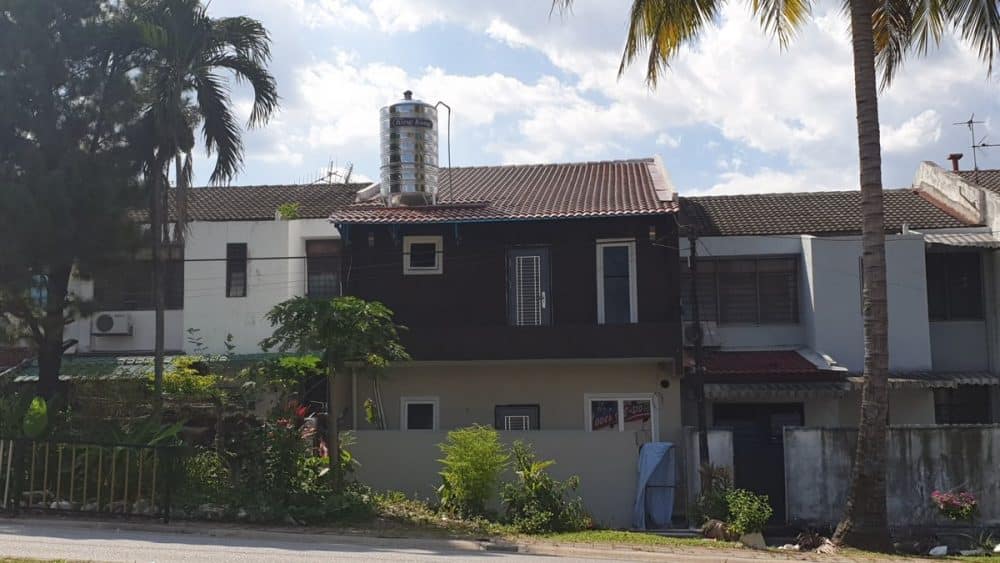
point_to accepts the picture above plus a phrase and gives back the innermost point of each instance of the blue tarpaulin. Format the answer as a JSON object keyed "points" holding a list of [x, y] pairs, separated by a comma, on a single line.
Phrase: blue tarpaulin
{"points": [[654, 497]]}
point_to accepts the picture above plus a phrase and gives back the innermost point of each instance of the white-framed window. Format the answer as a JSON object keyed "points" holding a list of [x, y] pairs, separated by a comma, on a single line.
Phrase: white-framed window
{"points": [[617, 301], [419, 413], [604, 412], [422, 255]]}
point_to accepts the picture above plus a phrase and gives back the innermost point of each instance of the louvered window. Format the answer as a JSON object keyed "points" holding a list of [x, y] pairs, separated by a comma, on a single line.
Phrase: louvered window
{"points": [[528, 287], [744, 291]]}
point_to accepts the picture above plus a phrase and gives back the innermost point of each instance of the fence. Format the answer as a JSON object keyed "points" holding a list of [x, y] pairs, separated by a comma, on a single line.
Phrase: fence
{"points": [[86, 477], [720, 454], [605, 461], [921, 459]]}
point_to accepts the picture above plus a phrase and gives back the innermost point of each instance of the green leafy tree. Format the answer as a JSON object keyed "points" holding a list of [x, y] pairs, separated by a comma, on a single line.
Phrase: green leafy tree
{"points": [[473, 460], [68, 172], [182, 54], [883, 34], [342, 331]]}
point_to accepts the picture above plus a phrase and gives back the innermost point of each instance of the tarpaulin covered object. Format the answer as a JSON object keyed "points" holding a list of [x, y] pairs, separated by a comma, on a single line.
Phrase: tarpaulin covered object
{"points": [[654, 498]]}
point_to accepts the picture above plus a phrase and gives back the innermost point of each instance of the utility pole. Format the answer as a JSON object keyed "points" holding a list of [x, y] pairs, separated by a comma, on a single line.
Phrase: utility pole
{"points": [[698, 385]]}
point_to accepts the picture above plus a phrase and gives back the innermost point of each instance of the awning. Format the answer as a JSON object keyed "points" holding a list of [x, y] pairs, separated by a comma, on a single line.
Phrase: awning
{"points": [[934, 380], [967, 240], [780, 391]]}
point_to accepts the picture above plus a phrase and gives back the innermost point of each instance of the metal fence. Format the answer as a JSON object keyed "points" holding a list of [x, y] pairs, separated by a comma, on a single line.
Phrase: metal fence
{"points": [[86, 477]]}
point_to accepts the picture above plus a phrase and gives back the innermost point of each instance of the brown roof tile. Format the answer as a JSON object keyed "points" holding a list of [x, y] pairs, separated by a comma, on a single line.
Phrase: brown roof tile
{"points": [[535, 191], [807, 213], [761, 366], [989, 179], [253, 203]]}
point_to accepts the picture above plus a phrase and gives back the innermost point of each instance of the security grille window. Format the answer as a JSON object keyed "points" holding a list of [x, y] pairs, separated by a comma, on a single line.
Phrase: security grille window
{"points": [[422, 255], [322, 269], [965, 404], [616, 290], [516, 417], [236, 270], [954, 286], [128, 285], [528, 286], [753, 291], [420, 413]]}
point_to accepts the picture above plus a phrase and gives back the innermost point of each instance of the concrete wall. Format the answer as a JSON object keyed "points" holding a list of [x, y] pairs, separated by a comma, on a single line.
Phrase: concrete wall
{"points": [[959, 345], [921, 460], [604, 461], [206, 307], [468, 392], [720, 453]]}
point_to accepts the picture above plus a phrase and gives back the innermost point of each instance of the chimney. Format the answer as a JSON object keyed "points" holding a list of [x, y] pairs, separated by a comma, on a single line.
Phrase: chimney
{"points": [[954, 158]]}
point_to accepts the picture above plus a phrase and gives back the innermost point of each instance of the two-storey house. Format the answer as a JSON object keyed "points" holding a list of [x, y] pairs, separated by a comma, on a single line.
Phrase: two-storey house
{"points": [[535, 297]]}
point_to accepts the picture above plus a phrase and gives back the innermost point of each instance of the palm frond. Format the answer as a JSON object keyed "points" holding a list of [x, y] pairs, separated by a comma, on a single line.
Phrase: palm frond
{"points": [[978, 22], [781, 18], [894, 29], [219, 127], [265, 89], [662, 27], [246, 36]]}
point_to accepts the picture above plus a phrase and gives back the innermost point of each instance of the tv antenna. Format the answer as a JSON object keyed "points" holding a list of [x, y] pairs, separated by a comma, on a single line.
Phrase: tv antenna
{"points": [[975, 146]]}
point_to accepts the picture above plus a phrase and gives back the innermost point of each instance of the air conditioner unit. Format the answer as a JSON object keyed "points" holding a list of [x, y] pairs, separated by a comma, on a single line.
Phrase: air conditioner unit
{"points": [[112, 324], [709, 333]]}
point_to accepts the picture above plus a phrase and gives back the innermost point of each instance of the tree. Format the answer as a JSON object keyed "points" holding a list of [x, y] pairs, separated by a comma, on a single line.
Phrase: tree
{"points": [[68, 174], [341, 330], [181, 51], [883, 34]]}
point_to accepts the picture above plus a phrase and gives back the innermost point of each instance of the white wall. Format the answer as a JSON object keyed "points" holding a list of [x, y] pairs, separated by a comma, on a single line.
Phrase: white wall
{"points": [[269, 281]]}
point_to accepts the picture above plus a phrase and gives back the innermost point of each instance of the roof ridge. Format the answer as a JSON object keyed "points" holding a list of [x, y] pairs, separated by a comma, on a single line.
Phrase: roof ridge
{"points": [[789, 194]]}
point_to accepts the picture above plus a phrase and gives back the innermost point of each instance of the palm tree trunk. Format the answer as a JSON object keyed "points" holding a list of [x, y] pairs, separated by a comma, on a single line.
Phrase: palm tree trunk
{"points": [[159, 287], [181, 203], [865, 522]]}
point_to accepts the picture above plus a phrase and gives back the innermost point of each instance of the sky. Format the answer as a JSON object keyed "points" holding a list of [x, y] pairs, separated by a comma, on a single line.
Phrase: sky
{"points": [[735, 113]]}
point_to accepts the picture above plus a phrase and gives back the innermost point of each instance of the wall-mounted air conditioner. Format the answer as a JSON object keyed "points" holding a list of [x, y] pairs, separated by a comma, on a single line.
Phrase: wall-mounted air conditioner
{"points": [[709, 333], [112, 324]]}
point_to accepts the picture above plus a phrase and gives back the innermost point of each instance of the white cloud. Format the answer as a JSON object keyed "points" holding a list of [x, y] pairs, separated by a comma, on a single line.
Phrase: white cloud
{"points": [[668, 140], [768, 180], [915, 133], [327, 13]]}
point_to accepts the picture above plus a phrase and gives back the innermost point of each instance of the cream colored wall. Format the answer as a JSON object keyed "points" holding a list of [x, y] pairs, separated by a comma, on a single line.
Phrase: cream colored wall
{"points": [[468, 393], [906, 406]]}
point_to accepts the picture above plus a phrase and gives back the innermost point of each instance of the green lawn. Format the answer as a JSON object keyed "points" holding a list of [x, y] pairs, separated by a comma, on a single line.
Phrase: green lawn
{"points": [[635, 538]]}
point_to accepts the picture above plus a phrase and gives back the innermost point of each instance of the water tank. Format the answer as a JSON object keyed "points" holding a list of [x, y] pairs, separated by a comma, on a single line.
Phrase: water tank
{"points": [[409, 147]]}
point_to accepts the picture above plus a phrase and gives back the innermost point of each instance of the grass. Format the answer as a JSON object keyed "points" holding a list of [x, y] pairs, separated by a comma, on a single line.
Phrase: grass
{"points": [[617, 537]]}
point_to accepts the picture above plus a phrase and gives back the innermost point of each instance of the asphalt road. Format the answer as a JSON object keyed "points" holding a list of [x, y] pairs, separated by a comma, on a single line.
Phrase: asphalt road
{"points": [[55, 540]]}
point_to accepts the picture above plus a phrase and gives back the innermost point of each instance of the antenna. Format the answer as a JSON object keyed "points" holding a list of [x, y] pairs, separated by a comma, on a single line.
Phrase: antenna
{"points": [[975, 146]]}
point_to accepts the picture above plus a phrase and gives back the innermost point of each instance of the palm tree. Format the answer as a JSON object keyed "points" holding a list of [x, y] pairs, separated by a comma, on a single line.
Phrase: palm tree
{"points": [[181, 51], [883, 34]]}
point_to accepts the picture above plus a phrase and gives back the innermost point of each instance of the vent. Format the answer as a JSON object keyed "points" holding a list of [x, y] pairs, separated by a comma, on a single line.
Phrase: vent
{"points": [[112, 324], [517, 422]]}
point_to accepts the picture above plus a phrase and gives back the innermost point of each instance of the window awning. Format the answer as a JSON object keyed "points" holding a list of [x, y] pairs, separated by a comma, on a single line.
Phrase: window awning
{"points": [[967, 240], [777, 391], [934, 380]]}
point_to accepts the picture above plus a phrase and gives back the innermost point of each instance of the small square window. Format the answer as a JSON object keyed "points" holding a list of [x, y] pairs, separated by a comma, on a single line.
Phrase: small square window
{"points": [[422, 255], [516, 417], [419, 413]]}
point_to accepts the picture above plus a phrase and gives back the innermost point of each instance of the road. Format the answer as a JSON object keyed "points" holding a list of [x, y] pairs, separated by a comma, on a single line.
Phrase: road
{"points": [[56, 540]]}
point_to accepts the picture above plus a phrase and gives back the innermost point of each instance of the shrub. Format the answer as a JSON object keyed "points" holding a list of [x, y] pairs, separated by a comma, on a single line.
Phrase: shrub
{"points": [[712, 503], [473, 460], [206, 480], [536, 503], [748, 511], [956, 506], [186, 378]]}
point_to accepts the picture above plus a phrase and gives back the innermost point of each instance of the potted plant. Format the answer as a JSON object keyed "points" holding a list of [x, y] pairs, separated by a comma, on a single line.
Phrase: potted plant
{"points": [[958, 506]]}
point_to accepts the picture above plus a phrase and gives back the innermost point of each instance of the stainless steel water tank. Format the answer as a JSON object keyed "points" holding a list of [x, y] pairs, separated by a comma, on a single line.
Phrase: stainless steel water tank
{"points": [[409, 148]]}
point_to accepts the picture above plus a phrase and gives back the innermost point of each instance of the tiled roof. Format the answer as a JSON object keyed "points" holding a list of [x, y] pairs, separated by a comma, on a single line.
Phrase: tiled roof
{"points": [[534, 191], [763, 366], [123, 367], [257, 203], [807, 213], [989, 179]]}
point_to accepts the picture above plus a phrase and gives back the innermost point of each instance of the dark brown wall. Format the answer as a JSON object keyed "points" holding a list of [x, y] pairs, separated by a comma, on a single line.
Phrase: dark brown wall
{"points": [[462, 313]]}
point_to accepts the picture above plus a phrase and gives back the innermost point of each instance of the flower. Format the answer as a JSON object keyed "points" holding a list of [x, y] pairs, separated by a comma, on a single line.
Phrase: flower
{"points": [[960, 505]]}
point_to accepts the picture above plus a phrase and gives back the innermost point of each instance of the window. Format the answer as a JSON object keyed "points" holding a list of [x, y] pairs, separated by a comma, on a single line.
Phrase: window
{"points": [[127, 285], [744, 291], [528, 286], [322, 268], [422, 255], [419, 413], [516, 417], [621, 413], [236, 269], [954, 286], [616, 292], [965, 404]]}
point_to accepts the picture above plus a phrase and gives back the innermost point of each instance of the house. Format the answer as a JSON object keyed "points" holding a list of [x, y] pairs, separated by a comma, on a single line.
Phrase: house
{"points": [[535, 297], [779, 290]]}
